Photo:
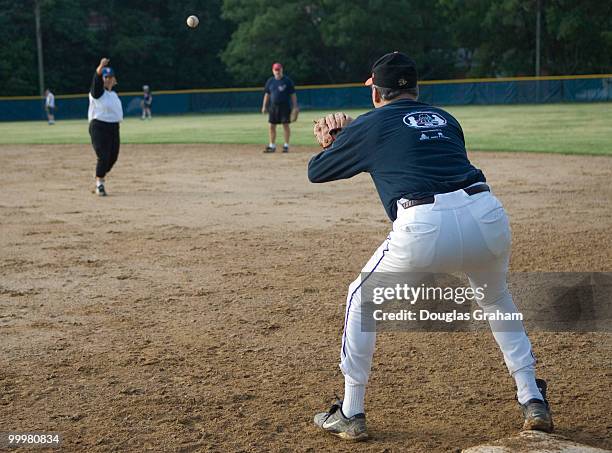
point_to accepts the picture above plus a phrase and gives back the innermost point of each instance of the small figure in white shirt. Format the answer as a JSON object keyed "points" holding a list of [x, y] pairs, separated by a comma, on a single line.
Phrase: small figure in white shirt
{"points": [[50, 106]]}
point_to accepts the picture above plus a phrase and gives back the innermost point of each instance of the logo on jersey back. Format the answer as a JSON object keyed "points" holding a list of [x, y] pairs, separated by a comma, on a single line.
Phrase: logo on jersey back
{"points": [[423, 120]]}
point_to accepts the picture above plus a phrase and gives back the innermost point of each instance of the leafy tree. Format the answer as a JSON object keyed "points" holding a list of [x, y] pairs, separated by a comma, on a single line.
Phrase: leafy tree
{"points": [[68, 45], [319, 41], [268, 31], [498, 37], [150, 44], [578, 37], [147, 41], [330, 41], [18, 64], [363, 30]]}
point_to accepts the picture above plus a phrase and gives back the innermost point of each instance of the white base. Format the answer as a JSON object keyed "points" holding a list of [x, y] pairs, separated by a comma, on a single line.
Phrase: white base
{"points": [[534, 442]]}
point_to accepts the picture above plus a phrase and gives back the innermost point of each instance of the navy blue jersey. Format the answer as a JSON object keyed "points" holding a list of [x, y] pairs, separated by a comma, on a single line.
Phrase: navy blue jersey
{"points": [[280, 91], [412, 150]]}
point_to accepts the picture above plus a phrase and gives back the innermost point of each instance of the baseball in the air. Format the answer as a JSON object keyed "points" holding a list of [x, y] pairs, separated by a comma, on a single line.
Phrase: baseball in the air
{"points": [[193, 21]]}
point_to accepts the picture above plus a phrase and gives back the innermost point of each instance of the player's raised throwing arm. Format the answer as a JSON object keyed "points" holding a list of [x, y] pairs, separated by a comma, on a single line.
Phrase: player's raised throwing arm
{"points": [[97, 84]]}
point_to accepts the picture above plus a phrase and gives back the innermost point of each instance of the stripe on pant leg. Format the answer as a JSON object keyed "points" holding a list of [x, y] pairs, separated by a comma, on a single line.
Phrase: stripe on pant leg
{"points": [[348, 309]]}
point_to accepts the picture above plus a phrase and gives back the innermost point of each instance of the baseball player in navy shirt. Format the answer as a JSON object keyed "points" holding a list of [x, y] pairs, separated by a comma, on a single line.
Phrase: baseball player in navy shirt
{"points": [[279, 101], [445, 219]]}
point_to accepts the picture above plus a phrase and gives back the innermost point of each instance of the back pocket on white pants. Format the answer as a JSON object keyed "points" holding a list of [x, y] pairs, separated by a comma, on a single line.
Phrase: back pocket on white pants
{"points": [[414, 244], [495, 229]]}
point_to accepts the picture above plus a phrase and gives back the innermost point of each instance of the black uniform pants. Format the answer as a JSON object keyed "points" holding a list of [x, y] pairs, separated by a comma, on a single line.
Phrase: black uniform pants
{"points": [[105, 141]]}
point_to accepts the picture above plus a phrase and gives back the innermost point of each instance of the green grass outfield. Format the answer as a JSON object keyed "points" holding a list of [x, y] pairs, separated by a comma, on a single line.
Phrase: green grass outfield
{"points": [[554, 128]]}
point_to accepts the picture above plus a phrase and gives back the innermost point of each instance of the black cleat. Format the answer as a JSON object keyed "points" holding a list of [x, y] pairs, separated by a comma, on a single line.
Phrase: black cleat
{"points": [[100, 191], [537, 412], [285, 148], [269, 149]]}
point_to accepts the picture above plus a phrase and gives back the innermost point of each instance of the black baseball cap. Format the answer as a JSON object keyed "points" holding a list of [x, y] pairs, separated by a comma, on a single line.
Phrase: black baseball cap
{"points": [[394, 70]]}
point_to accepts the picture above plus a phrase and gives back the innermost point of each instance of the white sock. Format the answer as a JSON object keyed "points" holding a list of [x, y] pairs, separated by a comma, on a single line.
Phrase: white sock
{"points": [[286, 145], [272, 145], [99, 182], [354, 399], [526, 387]]}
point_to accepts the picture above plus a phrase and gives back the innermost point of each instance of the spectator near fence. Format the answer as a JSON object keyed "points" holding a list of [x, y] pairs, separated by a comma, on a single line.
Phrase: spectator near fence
{"points": [[50, 106], [146, 103]]}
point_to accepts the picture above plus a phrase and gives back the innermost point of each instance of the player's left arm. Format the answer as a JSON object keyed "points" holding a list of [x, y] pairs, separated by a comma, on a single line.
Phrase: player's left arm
{"points": [[294, 101], [349, 155], [295, 109]]}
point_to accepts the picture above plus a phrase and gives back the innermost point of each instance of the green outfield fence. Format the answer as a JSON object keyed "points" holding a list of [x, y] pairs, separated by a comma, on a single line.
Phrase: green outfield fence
{"points": [[511, 90]]}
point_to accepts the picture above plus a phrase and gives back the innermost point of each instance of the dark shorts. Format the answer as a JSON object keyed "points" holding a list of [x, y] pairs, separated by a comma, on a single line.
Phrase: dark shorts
{"points": [[279, 114]]}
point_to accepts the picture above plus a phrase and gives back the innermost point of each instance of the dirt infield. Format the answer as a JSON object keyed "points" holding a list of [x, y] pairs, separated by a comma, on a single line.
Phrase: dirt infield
{"points": [[199, 307]]}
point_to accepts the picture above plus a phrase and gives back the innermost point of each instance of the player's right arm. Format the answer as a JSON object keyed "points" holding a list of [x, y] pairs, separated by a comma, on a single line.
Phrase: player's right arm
{"points": [[97, 84], [293, 96], [266, 98]]}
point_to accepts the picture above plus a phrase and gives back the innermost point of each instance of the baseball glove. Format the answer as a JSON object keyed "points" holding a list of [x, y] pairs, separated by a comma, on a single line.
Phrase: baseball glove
{"points": [[294, 115], [325, 129]]}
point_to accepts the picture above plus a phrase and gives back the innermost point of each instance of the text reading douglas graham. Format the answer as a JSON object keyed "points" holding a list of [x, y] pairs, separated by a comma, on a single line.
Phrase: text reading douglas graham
{"points": [[449, 316]]}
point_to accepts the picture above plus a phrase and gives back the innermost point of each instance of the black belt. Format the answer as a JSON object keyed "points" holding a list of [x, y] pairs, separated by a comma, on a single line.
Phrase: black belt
{"points": [[429, 200]]}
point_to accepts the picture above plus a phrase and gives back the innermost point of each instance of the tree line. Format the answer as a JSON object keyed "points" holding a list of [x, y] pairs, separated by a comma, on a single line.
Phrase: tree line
{"points": [[318, 41]]}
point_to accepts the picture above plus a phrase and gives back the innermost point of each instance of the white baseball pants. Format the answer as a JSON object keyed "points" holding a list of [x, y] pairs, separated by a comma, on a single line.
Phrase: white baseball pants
{"points": [[457, 233]]}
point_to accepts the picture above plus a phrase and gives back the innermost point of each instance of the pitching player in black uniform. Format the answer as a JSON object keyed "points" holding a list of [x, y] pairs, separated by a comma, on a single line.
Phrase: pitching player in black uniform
{"points": [[445, 220], [105, 113], [280, 101]]}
